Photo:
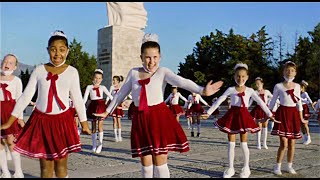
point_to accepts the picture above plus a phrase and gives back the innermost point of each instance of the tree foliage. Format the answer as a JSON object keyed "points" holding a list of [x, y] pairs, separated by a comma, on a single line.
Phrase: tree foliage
{"points": [[215, 55]]}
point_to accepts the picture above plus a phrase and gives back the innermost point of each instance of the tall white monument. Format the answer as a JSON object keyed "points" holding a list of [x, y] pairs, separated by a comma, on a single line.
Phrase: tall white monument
{"points": [[119, 43]]}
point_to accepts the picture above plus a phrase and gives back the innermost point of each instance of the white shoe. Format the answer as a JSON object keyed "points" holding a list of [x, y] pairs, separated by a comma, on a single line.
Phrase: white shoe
{"points": [[5, 175], [259, 146], [291, 170], [120, 139], [18, 175], [277, 171], [308, 141], [245, 172], [228, 173], [93, 148], [265, 146], [116, 139], [99, 148]]}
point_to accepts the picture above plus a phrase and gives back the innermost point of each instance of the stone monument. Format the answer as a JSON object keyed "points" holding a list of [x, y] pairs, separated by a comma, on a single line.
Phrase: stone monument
{"points": [[119, 43]]}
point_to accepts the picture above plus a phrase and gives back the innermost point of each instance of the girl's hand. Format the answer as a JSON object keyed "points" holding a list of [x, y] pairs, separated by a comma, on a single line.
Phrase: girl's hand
{"points": [[274, 120], [21, 123], [104, 115], [304, 121], [204, 116], [212, 88]]}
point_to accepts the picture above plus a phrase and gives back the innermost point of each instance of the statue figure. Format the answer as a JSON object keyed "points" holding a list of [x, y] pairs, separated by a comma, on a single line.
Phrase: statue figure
{"points": [[127, 14]]}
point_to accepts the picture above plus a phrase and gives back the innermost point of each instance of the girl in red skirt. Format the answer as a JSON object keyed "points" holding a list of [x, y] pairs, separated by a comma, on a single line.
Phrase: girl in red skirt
{"points": [[196, 110], [173, 100], [306, 100], [155, 130], [187, 106], [118, 113], [97, 105], [215, 114], [10, 91], [288, 130], [238, 120], [50, 133], [258, 114]]}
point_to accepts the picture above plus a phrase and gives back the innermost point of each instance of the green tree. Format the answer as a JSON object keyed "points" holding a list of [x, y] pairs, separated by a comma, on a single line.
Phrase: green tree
{"points": [[84, 63]]}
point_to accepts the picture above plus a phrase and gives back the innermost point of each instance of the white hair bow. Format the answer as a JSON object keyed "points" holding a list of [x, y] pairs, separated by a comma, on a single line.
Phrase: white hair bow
{"points": [[241, 65], [150, 37], [98, 70]]}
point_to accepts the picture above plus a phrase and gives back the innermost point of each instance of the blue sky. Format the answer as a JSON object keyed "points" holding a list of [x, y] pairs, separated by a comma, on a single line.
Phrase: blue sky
{"points": [[26, 27]]}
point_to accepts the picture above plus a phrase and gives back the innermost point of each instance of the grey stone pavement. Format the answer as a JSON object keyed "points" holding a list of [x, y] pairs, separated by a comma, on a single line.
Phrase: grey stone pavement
{"points": [[207, 157]]}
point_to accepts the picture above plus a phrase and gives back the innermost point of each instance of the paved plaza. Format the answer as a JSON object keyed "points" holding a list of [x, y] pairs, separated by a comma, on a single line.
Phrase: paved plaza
{"points": [[207, 157]]}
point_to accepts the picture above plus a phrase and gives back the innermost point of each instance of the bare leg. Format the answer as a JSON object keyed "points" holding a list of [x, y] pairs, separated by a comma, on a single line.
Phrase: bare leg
{"points": [[46, 167], [61, 167]]}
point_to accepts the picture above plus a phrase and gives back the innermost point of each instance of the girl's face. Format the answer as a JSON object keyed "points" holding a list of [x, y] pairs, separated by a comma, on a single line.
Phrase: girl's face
{"points": [[58, 52], [97, 79], [241, 77], [289, 72], [9, 64], [259, 84], [174, 91], [150, 59], [303, 89], [115, 81]]}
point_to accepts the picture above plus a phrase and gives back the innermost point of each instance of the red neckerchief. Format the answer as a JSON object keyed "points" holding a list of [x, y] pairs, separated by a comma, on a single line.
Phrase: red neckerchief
{"points": [[7, 94], [143, 105], [53, 92]]}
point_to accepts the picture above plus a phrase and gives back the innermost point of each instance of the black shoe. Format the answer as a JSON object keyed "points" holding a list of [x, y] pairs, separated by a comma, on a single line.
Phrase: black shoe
{"points": [[192, 134], [198, 134]]}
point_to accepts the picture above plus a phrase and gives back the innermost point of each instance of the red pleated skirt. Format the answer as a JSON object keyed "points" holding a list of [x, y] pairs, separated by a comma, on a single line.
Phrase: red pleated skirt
{"points": [[96, 106], [306, 114], [237, 120], [188, 113], [6, 108], [290, 123], [176, 109], [156, 131], [49, 137], [118, 112], [258, 113], [197, 110]]}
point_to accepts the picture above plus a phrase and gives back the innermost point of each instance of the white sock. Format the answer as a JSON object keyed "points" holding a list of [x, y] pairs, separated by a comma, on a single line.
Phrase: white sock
{"points": [[289, 165], [231, 147], [192, 127], [198, 126], [16, 161], [188, 122], [115, 133], [162, 171], [66, 176], [119, 130], [272, 124], [94, 137], [265, 135], [278, 166], [147, 171], [101, 137], [8, 153], [3, 161], [259, 138], [246, 153]]}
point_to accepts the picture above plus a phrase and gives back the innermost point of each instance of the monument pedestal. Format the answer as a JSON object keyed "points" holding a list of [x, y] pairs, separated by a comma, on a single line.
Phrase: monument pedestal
{"points": [[118, 51]]}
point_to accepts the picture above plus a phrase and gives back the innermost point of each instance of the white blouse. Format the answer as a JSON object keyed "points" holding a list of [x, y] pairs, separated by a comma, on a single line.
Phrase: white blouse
{"points": [[15, 88], [305, 99], [266, 95], [93, 93], [236, 100], [279, 91], [154, 89], [67, 84], [174, 99]]}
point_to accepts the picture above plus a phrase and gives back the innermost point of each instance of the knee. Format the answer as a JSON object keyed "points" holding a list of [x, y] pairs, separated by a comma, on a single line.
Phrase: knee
{"points": [[46, 172], [61, 171]]}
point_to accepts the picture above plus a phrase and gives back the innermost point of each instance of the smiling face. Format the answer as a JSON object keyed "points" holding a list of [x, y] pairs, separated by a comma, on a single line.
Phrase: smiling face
{"points": [[259, 84], [9, 63], [151, 59], [241, 77], [58, 51], [97, 79]]}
